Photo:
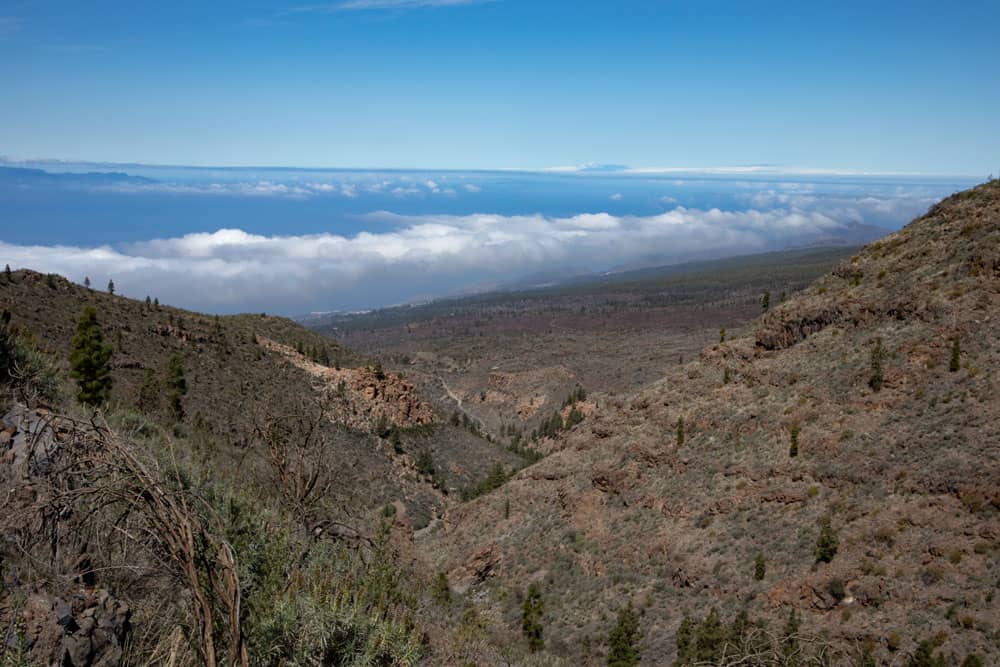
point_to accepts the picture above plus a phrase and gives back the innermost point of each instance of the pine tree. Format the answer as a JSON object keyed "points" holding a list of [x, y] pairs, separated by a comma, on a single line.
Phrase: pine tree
{"points": [[875, 380], [86, 282], [956, 355], [88, 359], [176, 387], [532, 610], [710, 638], [156, 303], [111, 287], [149, 303], [827, 542], [765, 301], [680, 431], [722, 335], [759, 567], [793, 432], [685, 641], [623, 640]]}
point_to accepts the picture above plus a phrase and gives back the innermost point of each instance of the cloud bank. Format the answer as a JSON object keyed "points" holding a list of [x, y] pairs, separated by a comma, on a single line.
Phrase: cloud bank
{"points": [[230, 270]]}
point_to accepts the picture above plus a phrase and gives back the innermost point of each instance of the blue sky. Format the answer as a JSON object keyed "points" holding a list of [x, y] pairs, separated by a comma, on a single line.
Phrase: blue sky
{"points": [[871, 86]]}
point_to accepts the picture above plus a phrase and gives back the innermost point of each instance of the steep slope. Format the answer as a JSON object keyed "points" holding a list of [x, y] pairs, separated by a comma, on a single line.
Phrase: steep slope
{"points": [[246, 370], [667, 498]]}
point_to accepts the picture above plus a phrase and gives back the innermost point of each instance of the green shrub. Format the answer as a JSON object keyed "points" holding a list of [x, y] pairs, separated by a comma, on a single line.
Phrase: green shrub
{"points": [[441, 591], [30, 375], [759, 567], [924, 656]]}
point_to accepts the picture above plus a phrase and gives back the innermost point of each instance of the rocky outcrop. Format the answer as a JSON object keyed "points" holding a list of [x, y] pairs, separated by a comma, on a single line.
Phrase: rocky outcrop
{"points": [[391, 395], [86, 629], [361, 397]]}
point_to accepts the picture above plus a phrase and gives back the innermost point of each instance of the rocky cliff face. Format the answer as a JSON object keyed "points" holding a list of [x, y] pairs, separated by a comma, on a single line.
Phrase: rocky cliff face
{"points": [[783, 432]]}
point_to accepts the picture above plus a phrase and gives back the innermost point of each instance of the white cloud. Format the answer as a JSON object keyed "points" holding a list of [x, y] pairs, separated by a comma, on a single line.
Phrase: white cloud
{"points": [[287, 190], [231, 269], [470, 187], [616, 197], [881, 208]]}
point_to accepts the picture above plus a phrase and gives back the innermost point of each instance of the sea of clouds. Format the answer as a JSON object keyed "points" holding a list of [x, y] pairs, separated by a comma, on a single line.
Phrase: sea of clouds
{"points": [[399, 257]]}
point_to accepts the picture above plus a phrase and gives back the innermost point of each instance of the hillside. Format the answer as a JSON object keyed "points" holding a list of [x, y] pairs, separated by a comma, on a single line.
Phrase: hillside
{"points": [[850, 405], [245, 370], [262, 516]]}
